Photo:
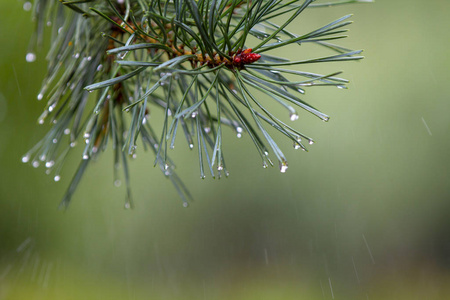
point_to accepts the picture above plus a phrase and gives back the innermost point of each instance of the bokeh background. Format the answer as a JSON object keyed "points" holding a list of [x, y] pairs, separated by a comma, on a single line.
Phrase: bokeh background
{"points": [[363, 215]]}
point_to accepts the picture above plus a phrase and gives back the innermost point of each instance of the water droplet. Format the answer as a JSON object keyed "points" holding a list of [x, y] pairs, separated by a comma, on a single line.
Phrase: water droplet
{"points": [[117, 182], [202, 177], [166, 166], [239, 129], [73, 144], [220, 167], [293, 116], [51, 107], [57, 178], [55, 141], [25, 158], [30, 57], [67, 131], [185, 204], [265, 165], [127, 205], [35, 164], [41, 121], [86, 141], [85, 156], [42, 157], [144, 121], [169, 112], [296, 146], [239, 135], [283, 167], [191, 146], [266, 153], [207, 129], [311, 142], [27, 6], [48, 171], [89, 58], [49, 164], [76, 55], [49, 23], [342, 87], [86, 135], [194, 114], [40, 96], [99, 68], [134, 156], [60, 29]]}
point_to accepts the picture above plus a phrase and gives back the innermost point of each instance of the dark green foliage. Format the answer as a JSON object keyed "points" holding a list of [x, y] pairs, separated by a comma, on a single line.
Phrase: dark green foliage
{"points": [[190, 59]]}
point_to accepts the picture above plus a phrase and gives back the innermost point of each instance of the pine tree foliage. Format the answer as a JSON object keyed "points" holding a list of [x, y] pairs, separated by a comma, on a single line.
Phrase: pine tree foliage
{"points": [[112, 64]]}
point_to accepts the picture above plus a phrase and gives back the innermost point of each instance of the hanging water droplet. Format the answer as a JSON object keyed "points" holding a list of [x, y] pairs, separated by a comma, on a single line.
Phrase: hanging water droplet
{"points": [[266, 153], [207, 129], [239, 129], [35, 164], [99, 68], [60, 29], [220, 167], [76, 55], [296, 146], [49, 23], [89, 58], [73, 144], [117, 182], [144, 120], [169, 112], [27, 6], [94, 149], [265, 165], [49, 164], [57, 178], [86, 135], [185, 204], [293, 116], [48, 171], [30, 57], [283, 166], [51, 107], [127, 205], [342, 87], [202, 176], [55, 141], [85, 156], [191, 146], [42, 157], [25, 158], [134, 156], [40, 96], [239, 135], [86, 141], [67, 131], [311, 142], [194, 114]]}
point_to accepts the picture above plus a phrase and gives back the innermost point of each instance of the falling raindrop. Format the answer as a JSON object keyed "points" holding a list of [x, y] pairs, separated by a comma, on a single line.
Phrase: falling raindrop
{"points": [[30, 57]]}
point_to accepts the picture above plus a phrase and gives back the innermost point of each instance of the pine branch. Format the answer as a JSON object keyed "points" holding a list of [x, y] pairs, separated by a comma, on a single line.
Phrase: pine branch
{"points": [[190, 59]]}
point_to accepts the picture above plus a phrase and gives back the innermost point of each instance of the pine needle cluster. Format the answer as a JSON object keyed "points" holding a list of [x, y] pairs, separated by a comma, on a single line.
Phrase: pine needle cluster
{"points": [[112, 64]]}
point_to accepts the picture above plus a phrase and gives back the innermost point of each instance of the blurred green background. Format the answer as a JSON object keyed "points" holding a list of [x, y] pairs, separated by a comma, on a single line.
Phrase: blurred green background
{"points": [[363, 215]]}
